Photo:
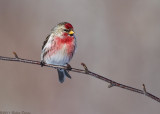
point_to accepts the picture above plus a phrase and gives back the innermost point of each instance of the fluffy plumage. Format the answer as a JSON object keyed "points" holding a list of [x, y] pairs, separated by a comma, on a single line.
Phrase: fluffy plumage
{"points": [[59, 47]]}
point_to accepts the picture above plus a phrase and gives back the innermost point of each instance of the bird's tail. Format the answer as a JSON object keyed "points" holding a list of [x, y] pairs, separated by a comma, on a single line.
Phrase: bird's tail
{"points": [[62, 74]]}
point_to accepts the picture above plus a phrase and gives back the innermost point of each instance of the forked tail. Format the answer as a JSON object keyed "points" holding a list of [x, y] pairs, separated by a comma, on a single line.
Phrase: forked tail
{"points": [[62, 74]]}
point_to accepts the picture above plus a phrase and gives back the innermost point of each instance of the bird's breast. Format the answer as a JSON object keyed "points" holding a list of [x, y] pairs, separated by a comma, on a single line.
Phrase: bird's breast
{"points": [[65, 45], [66, 40]]}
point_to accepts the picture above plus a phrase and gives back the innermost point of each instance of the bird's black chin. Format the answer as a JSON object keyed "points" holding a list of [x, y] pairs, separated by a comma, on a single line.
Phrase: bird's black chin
{"points": [[71, 35]]}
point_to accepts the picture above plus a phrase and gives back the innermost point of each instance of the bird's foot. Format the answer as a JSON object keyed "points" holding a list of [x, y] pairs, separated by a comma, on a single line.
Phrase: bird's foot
{"points": [[69, 67], [42, 63]]}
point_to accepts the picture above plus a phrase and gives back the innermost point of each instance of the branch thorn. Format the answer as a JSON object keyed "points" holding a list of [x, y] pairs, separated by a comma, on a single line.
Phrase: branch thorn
{"points": [[144, 89], [85, 68], [15, 54]]}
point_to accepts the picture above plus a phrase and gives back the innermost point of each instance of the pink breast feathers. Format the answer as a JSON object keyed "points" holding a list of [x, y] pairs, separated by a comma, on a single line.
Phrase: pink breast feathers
{"points": [[60, 42], [69, 42]]}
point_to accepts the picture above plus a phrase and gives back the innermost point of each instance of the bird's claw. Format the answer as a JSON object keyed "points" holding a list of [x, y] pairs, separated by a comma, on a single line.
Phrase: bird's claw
{"points": [[42, 63], [69, 67]]}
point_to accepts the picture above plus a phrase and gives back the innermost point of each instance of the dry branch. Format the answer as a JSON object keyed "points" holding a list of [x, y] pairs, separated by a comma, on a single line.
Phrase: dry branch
{"points": [[87, 72]]}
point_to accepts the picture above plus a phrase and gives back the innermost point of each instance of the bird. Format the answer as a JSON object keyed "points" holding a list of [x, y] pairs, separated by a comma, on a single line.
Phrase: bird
{"points": [[59, 48]]}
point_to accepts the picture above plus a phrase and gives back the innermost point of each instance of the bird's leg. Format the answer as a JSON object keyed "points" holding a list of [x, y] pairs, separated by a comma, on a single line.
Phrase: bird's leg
{"points": [[69, 66], [42, 63]]}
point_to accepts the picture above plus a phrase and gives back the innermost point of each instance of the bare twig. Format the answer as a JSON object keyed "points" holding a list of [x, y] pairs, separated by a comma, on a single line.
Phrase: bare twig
{"points": [[87, 72]]}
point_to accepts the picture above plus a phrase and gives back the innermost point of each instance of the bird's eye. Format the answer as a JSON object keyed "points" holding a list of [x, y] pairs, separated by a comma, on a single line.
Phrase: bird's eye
{"points": [[66, 30]]}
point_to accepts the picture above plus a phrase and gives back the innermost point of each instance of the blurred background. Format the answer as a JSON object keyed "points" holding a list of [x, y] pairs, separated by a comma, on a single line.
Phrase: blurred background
{"points": [[119, 39]]}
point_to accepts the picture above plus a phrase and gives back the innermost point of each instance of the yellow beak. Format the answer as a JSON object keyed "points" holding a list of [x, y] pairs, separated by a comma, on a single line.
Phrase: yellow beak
{"points": [[71, 32]]}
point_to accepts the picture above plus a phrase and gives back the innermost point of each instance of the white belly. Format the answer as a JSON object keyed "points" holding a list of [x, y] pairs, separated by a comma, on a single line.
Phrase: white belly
{"points": [[60, 57]]}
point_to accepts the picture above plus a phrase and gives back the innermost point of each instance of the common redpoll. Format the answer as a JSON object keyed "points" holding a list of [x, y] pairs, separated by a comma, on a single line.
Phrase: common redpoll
{"points": [[59, 47]]}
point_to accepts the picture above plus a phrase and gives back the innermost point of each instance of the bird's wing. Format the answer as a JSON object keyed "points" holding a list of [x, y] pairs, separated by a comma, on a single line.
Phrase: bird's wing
{"points": [[46, 40], [46, 48]]}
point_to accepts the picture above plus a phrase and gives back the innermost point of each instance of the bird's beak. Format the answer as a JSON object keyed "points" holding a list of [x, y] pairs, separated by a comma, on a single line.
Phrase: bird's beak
{"points": [[71, 32]]}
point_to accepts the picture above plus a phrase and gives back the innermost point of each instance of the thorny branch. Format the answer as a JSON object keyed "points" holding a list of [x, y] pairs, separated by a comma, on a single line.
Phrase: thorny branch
{"points": [[87, 72]]}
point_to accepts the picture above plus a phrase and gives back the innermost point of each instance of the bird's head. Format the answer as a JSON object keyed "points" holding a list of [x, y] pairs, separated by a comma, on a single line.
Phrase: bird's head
{"points": [[63, 29]]}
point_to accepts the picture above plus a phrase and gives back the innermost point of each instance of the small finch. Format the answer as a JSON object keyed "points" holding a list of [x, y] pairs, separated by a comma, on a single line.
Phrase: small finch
{"points": [[59, 48]]}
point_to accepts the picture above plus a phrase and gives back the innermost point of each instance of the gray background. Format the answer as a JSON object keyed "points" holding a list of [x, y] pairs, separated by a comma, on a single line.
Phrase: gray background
{"points": [[119, 39]]}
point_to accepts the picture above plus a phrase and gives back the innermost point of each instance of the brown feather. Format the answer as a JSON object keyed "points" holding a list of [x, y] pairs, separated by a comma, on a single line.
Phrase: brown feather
{"points": [[46, 40]]}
